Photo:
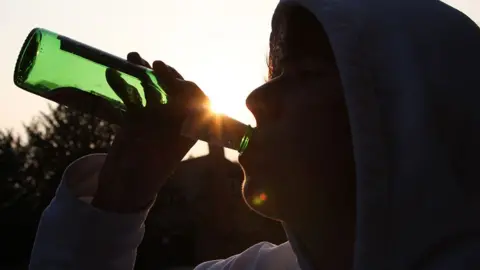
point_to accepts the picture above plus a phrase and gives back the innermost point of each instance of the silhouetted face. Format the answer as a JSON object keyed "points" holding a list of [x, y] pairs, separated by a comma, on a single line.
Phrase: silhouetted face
{"points": [[300, 157]]}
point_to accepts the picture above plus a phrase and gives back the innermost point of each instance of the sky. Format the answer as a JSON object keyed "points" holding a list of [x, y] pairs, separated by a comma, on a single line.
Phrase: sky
{"points": [[221, 45]]}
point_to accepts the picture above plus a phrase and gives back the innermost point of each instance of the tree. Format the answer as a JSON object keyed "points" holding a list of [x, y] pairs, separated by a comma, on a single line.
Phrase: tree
{"points": [[11, 162], [31, 172], [58, 139]]}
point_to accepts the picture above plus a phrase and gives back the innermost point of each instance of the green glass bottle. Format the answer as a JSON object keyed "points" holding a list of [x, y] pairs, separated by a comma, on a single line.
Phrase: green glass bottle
{"points": [[74, 74]]}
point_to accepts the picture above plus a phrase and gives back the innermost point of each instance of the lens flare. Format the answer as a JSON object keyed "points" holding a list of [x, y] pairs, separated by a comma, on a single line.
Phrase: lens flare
{"points": [[259, 199], [217, 107]]}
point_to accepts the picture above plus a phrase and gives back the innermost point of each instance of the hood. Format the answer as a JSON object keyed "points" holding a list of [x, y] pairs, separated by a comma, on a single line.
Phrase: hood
{"points": [[410, 76]]}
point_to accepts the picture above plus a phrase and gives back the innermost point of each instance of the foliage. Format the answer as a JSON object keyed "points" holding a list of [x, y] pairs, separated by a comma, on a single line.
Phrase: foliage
{"points": [[31, 171]]}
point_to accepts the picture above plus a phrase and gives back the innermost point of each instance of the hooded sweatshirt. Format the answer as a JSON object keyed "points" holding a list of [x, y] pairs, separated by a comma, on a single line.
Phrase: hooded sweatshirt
{"points": [[409, 75]]}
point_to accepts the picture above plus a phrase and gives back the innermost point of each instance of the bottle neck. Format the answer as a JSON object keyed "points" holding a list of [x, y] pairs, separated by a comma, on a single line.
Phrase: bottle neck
{"points": [[217, 130], [245, 139], [216, 152]]}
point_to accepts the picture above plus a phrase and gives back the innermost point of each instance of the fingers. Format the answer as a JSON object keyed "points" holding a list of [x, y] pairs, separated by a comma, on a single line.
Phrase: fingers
{"points": [[159, 66], [135, 58], [126, 92], [174, 72], [185, 92], [171, 79], [164, 76], [153, 95]]}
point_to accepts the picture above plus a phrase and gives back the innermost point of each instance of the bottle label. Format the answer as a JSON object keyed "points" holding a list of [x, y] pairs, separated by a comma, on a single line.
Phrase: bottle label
{"points": [[101, 57]]}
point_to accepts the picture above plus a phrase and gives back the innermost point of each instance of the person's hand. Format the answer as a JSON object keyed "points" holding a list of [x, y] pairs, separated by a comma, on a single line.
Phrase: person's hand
{"points": [[148, 147]]}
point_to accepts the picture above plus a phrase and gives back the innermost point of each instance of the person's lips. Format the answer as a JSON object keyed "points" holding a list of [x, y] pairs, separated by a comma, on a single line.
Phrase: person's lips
{"points": [[253, 158], [252, 162], [245, 161]]}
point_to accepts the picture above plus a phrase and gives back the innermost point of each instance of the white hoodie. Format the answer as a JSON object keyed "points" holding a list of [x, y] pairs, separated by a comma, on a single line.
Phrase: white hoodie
{"points": [[410, 77]]}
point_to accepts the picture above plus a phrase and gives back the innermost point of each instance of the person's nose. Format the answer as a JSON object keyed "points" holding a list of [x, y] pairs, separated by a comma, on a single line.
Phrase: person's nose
{"points": [[264, 102]]}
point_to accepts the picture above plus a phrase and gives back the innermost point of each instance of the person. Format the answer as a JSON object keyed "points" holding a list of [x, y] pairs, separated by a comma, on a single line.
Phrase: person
{"points": [[366, 144]]}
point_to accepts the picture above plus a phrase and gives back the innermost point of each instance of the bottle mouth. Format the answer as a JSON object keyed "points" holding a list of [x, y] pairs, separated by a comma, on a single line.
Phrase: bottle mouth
{"points": [[245, 140], [27, 57]]}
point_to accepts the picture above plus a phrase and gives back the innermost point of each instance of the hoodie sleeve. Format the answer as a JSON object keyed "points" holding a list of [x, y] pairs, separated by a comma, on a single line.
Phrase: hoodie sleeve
{"points": [[72, 234], [261, 256]]}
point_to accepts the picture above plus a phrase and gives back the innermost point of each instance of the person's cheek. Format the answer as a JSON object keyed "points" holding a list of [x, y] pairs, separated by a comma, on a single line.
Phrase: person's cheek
{"points": [[265, 170]]}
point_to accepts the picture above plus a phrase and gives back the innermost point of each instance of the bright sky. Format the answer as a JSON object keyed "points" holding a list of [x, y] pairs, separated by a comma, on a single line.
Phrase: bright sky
{"points": [[219, 44]]}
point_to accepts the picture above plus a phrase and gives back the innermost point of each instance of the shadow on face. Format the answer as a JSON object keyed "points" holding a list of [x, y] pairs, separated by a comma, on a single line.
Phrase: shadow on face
{"points": [[300, 157]]}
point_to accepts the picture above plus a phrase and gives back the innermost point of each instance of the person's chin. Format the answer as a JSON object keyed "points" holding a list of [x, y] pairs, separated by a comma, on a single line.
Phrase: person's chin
{"points": [[258, 196]]}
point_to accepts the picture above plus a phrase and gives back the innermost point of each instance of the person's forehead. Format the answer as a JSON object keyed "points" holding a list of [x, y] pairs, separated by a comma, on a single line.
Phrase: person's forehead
{"points": [[301, 83], [297, 41]]}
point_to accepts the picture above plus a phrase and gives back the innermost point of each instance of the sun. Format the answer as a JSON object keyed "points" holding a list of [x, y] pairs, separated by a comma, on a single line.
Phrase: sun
{"points": [[232, 107], [226, 97], [225, 106], [221, 106]]}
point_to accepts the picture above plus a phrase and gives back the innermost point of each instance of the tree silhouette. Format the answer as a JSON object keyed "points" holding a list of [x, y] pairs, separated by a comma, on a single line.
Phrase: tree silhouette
{"points": [[12, 155], [31, 171], [17, 218], [58, 139]]}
